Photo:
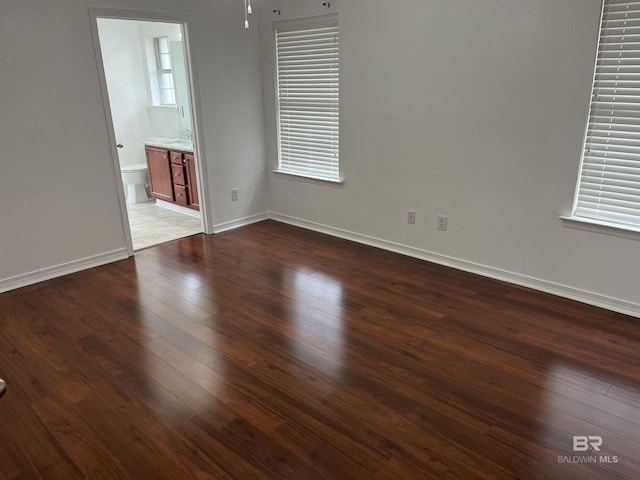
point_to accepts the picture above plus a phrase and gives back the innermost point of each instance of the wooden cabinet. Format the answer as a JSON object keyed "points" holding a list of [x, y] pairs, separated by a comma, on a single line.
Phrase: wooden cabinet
{"points": [[192, 180], [160, 174], [172, 175]]}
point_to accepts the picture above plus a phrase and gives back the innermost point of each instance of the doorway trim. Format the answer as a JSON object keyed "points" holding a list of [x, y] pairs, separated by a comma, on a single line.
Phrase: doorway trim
{"points": [[194, 95]]}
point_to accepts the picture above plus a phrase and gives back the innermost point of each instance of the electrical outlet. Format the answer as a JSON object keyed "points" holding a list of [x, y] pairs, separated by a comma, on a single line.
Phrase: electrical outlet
{"points": [[442, 222], [411, 217], [234, 194]]}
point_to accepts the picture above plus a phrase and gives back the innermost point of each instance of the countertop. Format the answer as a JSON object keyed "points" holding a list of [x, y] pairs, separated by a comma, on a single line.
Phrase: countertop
{"points": [[170, 143]]}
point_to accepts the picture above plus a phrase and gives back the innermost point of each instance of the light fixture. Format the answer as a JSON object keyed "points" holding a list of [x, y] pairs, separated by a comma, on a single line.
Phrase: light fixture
{"points": [[248, 10]]}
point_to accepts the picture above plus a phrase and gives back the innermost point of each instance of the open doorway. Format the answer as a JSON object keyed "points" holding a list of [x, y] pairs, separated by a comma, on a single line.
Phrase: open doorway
{"points": [[147, 80]]}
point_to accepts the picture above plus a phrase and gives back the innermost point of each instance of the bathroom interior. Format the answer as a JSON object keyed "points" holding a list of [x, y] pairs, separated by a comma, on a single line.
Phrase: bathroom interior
{"points": [[147, 82]]}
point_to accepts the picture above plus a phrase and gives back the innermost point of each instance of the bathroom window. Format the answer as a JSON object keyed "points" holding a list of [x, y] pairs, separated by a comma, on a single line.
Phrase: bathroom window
{"points": [[164, 72]]}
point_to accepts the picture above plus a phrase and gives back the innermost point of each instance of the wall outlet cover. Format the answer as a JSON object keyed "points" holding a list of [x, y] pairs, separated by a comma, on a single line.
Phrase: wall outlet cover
{"points": [[442, 222]]}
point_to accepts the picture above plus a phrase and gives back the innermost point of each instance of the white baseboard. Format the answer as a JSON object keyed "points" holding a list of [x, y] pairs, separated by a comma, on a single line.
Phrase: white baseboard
{"points": [[48, 273], [603, 301], [178, 208], [74, 266], [240, 222], [598, 300]]}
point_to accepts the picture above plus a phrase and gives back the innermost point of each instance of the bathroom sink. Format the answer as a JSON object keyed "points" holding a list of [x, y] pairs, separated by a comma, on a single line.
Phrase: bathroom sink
{"points": [[185, 143], [177, 143]]}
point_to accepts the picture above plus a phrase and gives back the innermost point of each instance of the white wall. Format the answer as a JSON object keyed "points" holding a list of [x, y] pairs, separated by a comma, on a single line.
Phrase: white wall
{"points": [[473, 109], [229, 65], [126, 74], [58, 198]]}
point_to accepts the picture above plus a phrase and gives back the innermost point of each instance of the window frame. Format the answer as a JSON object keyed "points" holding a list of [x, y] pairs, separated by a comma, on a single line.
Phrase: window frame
{"points": [[292, 25]]}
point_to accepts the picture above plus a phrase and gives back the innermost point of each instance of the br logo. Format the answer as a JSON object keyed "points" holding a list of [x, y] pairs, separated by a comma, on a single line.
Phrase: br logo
{"points": [[582, 443]]}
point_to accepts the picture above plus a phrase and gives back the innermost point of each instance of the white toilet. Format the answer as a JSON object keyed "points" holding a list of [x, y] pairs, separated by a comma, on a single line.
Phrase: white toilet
{"points": [[136, 178]]}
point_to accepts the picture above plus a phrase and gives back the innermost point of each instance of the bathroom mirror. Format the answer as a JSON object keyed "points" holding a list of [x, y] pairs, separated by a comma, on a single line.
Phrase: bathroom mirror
{"points": [[182, 90]]}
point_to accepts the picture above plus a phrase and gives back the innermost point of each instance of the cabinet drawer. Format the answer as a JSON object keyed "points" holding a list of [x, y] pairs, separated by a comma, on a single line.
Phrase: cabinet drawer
{"points": [[178, 174], [176, 158], [181, 195]]}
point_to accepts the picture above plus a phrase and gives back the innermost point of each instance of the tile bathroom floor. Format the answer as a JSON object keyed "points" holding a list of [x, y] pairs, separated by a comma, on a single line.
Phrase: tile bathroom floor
{"points": [[151, 224]]}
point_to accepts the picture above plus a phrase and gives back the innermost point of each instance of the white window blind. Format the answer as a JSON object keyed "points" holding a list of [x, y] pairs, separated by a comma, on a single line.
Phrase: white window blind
{"points": [[609, 183], [307, 59]]}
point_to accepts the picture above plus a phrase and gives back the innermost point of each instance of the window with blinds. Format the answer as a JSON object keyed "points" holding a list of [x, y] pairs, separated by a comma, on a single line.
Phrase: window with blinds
{"points": [[307, 71], [609, 184]]}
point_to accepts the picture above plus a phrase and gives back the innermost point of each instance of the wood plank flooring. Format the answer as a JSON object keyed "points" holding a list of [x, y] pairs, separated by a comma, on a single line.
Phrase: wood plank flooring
{"points": [[272, 352]]}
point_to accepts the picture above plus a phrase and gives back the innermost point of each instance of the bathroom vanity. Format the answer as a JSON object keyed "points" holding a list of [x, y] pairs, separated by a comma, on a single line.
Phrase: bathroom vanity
{"points": [[172, 174]]}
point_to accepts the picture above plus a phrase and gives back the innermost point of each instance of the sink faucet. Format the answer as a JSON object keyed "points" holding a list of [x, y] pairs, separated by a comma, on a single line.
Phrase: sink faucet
{"points": [[186, 134]]}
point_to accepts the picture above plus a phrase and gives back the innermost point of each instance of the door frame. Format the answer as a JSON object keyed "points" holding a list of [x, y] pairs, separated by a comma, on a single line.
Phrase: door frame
{"points": [[204, 193]]}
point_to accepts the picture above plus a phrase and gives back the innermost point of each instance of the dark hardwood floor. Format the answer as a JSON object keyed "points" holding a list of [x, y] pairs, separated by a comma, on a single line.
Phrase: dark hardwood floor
{"points": [[272, 352]]}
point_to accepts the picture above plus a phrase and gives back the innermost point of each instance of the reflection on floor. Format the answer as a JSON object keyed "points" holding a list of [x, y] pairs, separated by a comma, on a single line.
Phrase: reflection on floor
{"points": [[151, 225]]}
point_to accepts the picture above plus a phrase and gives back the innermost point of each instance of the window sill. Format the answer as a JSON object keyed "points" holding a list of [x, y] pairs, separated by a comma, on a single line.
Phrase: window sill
{"points": [[337, 183], [601, 226]]}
